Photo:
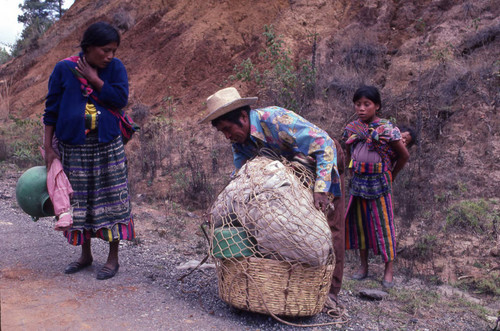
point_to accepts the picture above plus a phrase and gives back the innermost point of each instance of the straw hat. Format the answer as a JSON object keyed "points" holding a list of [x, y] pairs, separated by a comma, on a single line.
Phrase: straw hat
{"points": [[224, 101]]}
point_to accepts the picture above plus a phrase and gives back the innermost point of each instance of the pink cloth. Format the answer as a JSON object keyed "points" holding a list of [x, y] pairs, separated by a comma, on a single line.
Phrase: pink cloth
{"points": [[362, 153], [59, 188]]}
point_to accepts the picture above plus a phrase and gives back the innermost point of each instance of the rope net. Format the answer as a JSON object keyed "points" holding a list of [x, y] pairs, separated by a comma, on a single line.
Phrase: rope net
{"points": [[272, 248]]}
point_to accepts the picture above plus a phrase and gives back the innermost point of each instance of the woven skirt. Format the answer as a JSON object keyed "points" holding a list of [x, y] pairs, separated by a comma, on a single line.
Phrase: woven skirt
{"points": [[101, 202], [370, 224], [370, 215]]}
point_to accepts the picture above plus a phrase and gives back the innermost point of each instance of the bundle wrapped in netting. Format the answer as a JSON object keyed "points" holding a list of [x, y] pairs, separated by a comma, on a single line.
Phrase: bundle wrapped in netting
{"points": [[272, 248]]}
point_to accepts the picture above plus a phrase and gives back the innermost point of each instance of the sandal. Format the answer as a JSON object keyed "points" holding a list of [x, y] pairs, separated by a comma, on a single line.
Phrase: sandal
{"points": [[359, 276], [76, 266], [333, 308], [330, 304], [386, 284], [106, 273]]}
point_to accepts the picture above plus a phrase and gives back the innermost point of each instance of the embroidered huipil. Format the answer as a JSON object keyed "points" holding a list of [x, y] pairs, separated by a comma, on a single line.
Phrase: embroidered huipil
{"points": [[288, 134], [376, 136], [371, 156]]}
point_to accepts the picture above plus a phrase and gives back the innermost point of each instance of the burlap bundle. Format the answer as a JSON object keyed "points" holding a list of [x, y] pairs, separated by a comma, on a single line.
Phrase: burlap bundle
{"points": [[274, 205]]}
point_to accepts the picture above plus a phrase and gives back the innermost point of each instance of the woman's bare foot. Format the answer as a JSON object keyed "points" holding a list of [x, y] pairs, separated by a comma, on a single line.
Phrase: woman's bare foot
{"points": [[388, 272], [361, 274]]}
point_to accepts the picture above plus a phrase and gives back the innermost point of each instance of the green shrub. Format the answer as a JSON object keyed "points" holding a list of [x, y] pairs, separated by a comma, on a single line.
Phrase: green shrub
{"points": [[489, 284], [477, 216], [24, 138], [37, 16], [411, 301], [4, 55], [424, 247], [246, 72], [280, 81]]}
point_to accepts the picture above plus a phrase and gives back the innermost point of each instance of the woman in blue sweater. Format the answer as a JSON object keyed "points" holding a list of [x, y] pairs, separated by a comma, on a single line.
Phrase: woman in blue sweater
{"points": [[85, 94]]}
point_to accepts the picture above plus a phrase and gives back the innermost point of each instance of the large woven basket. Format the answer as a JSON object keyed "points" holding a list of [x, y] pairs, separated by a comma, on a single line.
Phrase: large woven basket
{"points": [[273, 287]]}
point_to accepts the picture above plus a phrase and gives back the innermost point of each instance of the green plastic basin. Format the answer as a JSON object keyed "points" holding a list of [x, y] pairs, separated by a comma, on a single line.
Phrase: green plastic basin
{"points": [[232, 242]]}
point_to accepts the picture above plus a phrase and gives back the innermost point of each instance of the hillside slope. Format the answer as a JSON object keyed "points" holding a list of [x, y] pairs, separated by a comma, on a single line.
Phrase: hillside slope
{"points": [[435, 61]]}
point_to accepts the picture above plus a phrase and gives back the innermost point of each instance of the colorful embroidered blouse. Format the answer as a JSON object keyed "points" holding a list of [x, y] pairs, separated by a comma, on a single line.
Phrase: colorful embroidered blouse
{"points": [[376, 135], [288, 134]]}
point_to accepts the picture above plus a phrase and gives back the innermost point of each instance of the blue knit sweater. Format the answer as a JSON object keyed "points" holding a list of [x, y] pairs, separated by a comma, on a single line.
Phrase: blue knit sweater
{"points": [[65, 103]]}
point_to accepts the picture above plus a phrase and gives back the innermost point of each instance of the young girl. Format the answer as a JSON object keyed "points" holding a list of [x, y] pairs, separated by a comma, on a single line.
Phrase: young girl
{"points": [[373, 145]]}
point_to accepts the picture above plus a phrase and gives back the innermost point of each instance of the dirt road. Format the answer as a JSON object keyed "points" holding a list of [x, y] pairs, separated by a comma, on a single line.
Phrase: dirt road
{"points": [[146, 294], [35, 294]]}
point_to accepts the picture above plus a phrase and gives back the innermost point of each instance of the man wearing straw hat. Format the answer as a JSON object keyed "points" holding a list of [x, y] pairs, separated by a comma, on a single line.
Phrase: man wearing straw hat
{"points": [[291, 136]]}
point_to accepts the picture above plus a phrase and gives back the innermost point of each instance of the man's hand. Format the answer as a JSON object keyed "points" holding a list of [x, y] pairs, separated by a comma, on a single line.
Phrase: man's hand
{"points": [[321, 200]]}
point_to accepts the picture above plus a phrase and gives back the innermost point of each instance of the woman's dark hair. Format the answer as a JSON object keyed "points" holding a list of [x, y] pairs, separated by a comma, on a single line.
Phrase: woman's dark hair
{"points": [[99, 34], [233, 116], [412, 133], [369, 92]]}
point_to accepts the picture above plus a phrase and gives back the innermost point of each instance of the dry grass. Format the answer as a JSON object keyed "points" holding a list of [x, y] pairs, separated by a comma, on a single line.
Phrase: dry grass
{"points": [[20, 142], [5, 98], [167, 161]]}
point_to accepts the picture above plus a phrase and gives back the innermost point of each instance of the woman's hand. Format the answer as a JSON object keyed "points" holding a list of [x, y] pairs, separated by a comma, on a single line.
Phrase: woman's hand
{"points": [[50, 156], [90, 73]]}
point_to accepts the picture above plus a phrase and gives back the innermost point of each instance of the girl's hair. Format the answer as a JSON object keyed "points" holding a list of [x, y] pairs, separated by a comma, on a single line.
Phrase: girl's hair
{"points": [[369, 92], [99, 34], [412, 133], [233, 116]]}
